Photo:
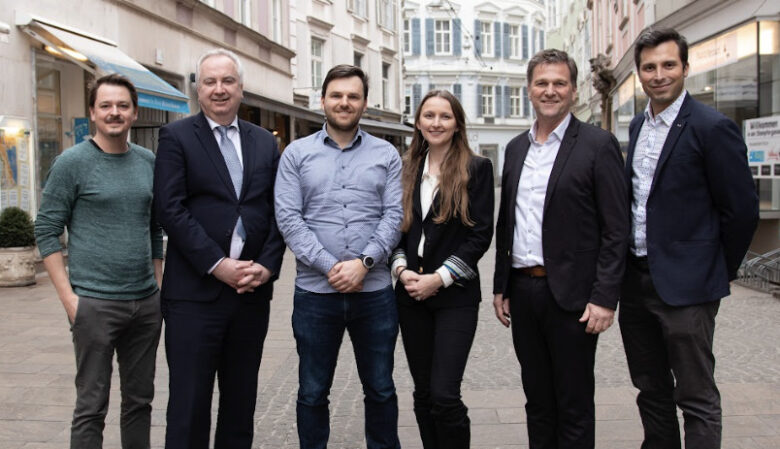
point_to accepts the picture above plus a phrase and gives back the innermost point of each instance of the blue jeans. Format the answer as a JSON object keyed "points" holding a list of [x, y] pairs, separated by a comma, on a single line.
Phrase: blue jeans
{"points": [[319, 321]]}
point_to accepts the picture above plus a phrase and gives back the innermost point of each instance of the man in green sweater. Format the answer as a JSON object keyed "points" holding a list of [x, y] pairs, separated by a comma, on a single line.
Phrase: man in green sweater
{"points": [[101, 190]]}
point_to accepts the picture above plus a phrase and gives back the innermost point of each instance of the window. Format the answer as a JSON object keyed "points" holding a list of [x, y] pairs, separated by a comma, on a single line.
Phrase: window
{"points": [[442, 37], [385, 85], [486, 35], [407, 100], [487, 101], [386, 13], [316, 62], [514, 41], [276, 19], [515, 97], [358, 8], [407, 36], [246, 12], [357, 59]]}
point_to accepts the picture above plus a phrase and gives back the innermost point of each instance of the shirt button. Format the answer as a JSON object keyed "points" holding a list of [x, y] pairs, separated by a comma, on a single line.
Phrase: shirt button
{"points": [[345, 205]]}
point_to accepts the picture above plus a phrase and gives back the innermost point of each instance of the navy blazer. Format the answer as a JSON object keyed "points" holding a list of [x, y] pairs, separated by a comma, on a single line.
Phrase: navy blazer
{"points": [[196, 204], [702, 208], [585, 224], [452, 238]]}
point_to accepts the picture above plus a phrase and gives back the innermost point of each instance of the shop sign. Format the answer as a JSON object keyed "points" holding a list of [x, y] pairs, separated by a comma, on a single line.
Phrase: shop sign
{"points": [[762, 137]]}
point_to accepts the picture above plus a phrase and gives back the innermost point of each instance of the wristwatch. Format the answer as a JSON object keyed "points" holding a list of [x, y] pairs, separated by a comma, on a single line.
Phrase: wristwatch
{"points": [[368, 261]]}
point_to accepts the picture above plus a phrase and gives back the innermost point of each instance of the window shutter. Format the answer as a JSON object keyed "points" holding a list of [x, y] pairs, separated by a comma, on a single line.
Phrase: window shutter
{"points": [[525, 42], [507, 45], [416, 36], [477, 38], [457, 91], [429, 37], [526, 103], [479, 100], [541, 38], [497, 39], [507, 101], [416, 97], [498, 105], [456, 39]]}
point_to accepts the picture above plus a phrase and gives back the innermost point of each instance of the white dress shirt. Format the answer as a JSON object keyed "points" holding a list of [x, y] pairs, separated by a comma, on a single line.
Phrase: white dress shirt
{"points": [[236, 242], [647, 151], [531, 192]]}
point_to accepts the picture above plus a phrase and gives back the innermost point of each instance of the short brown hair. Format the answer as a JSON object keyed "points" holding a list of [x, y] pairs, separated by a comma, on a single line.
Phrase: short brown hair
{"points": [[113, 79], [346, 71], [654, 36], [553, 56]]}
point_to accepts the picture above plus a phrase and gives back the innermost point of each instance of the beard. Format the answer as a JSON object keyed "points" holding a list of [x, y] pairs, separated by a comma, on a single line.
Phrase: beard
{"points": [[344, 127]]}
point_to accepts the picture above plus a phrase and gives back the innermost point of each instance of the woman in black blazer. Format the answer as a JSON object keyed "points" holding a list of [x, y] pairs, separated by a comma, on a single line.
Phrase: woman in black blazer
{"points": [[447, 227]]}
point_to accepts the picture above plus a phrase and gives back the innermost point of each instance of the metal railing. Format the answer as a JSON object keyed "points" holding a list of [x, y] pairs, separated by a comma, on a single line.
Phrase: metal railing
{"points": [[760, 271]]}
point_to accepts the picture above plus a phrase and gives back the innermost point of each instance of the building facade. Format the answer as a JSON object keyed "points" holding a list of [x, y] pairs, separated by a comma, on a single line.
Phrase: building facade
{"points": [[479, 51], [734, 58], [569, 30], [365, 33], [52, 50]]}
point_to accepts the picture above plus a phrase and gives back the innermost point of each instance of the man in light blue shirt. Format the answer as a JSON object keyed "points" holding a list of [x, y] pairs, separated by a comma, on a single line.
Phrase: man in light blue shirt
{"points": [[338, 207]]}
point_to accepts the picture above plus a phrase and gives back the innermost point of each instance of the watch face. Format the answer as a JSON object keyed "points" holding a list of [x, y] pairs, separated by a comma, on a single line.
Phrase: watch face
{"points": [[368, 261]]}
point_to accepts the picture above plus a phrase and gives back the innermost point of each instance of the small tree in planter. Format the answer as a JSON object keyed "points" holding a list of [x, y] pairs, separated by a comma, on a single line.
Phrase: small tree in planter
{"points": [[17, 248]]}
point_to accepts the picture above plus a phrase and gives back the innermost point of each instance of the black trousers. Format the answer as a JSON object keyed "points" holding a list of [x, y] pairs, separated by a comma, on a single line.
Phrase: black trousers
{"points": [[203, 339], [556, 357], [669, 353], [437, 342]]}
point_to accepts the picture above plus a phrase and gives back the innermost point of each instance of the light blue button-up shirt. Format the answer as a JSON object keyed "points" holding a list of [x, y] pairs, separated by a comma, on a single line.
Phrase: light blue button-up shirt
{"points": [[333, 205]]}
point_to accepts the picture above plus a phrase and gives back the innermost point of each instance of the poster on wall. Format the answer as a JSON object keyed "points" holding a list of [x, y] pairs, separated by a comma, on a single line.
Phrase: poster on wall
{"points": [[14, 169], [762, 137]]}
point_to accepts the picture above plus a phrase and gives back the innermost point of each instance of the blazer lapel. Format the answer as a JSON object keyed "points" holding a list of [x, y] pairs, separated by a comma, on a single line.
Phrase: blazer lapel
{"points": [[671, 139], [248, 154], [569, 139], [417, 205], [211, 148]]}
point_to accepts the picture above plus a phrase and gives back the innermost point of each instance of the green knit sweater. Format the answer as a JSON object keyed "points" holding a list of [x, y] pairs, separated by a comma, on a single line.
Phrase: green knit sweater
{"points": [[105, 201]]}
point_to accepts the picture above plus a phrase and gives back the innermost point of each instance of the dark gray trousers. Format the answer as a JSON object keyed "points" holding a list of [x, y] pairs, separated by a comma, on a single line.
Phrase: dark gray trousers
{"points": [[669, 353], [132, 329]]}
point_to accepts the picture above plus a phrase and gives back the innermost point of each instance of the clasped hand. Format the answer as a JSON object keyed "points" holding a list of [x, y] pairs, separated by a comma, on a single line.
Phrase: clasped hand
{"points": [[420, 286], [242, 275], [347, 276]]}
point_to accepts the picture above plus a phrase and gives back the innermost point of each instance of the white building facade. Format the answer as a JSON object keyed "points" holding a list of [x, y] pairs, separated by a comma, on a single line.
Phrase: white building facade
{"points": [[365, 33], [479, 51]]}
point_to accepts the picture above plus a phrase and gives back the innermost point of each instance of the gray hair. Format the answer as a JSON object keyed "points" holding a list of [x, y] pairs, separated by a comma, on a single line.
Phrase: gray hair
{"points": [[221, 52]]}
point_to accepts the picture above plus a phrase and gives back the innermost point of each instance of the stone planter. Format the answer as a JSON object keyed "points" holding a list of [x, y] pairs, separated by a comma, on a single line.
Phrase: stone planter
{"points": [[17, 266]]}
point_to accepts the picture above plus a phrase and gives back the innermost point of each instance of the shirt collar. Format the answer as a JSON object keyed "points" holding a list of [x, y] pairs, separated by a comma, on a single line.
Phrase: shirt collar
{"points": [[667, 115], [213, 125], [327, 140], [558, 132]]}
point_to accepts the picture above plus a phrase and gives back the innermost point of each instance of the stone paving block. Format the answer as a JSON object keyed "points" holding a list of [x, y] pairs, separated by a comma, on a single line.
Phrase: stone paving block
{"points": [[620, 412], [511, 415], [498, 434], [746, 426], [25, 430]]}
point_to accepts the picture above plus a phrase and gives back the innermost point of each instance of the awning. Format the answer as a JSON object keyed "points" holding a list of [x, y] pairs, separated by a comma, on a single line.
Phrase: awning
{"points": [[83, 48]]}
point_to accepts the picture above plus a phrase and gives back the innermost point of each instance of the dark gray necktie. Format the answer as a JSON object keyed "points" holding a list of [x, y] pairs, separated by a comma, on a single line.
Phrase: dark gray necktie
{"points": [[230, 155]]}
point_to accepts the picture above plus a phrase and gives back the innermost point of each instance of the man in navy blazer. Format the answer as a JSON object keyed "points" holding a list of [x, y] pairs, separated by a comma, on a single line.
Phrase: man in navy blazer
{"points": [[213, 188], [694, 209]]}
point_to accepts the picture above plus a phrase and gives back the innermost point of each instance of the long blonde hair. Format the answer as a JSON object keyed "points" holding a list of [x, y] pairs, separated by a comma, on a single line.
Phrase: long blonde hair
{"points": [[454, 170]]}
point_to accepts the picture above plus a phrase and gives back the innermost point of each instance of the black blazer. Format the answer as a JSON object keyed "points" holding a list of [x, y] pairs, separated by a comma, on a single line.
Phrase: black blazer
{"points": [[196, 204], [702, 209], [585, 219], [452, 238]]}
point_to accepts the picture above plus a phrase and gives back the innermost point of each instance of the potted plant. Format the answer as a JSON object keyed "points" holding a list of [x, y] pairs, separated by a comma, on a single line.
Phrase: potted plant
{"points": [[17, 248]]}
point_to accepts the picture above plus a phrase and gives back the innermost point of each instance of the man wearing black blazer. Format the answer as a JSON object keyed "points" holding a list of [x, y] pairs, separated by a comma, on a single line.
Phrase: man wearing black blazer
{"points": [[213, 188], [561, 239], [694, 209]]}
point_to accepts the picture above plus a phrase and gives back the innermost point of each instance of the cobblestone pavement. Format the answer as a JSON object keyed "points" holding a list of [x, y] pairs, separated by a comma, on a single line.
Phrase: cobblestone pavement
{"points": [[37, 393]]}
